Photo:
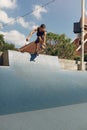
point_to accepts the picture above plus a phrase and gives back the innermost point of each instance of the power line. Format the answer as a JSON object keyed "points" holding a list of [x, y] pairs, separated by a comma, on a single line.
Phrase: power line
{"points": [[28, 13]]}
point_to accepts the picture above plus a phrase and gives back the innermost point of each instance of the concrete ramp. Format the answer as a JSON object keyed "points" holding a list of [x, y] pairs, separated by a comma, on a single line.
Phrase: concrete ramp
{"points": [[38, 95], [62, 118], [26, 58]]}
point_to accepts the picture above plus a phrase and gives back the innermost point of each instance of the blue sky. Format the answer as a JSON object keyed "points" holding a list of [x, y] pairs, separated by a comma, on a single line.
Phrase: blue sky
{"points": [[58, 16]]}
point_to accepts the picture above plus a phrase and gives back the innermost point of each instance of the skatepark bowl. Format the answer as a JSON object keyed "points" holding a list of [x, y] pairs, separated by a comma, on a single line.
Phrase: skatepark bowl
{"points": [[36, 94]]}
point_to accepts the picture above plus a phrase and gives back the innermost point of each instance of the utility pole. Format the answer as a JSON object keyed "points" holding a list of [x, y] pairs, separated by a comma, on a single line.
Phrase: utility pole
{"points": [[82, 33]]}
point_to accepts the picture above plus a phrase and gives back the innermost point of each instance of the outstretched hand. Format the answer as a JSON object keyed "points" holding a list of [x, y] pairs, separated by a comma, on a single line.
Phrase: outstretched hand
{"points": [[27, 39]]}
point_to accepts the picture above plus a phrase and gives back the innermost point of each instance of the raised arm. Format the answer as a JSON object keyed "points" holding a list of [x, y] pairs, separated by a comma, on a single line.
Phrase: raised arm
{"points": [[31, 33]]}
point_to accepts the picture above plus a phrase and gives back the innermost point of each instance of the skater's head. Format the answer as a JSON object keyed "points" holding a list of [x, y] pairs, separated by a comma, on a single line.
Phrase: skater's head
{"points": [[42, 27]]}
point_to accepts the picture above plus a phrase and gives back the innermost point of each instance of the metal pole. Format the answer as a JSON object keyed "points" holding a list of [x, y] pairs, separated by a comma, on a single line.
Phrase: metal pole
{"points": [[82, 33]]}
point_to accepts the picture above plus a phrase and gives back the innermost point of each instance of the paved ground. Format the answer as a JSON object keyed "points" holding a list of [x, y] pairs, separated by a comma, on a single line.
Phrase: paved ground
{"points": [[35, 94]]}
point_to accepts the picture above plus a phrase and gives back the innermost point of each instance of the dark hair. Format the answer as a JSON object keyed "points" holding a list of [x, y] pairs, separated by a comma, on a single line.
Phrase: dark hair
{"points": [[43, 26]]}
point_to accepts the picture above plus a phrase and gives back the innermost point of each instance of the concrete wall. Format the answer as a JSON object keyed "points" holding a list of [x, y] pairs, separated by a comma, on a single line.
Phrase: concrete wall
{"points": [[71, 64], [1, 58], [64, 63], [5, 59]]}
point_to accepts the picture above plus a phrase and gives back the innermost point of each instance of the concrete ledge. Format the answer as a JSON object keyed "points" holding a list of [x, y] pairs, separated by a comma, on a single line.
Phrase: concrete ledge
{"points": [[5, 59], [1, 58], [71, 64], [12, 57]]}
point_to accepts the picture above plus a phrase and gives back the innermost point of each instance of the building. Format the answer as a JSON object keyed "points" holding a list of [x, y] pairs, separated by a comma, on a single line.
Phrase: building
{"points": [[77, 41]]}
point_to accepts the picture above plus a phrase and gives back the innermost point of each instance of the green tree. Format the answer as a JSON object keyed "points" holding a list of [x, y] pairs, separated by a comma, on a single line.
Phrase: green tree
{"points": [[2, 42], [60, 45], [4, 45], [8, 46]]}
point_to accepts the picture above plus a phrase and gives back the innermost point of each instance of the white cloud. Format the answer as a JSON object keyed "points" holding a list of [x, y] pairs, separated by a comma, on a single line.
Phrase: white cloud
{"points": [[38, 10], [28, 25], [4, 17], [23, 23], [8, 4], [1, 26], [14, 37], [35, 26]]}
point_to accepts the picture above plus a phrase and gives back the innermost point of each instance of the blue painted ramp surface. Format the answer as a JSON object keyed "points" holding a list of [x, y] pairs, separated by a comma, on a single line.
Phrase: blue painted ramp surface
{"points": [[39, 88]]}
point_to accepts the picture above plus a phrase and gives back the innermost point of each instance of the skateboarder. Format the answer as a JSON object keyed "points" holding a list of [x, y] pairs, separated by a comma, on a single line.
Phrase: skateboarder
{"points": [[39, 43]]}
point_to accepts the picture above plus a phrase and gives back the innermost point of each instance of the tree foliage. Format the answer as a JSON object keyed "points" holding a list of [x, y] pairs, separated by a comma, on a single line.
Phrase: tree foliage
{"points": [[60, 45], [4, 45]]}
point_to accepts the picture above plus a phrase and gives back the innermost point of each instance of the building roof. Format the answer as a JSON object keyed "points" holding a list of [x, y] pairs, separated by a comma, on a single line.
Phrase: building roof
{"points": [[77, 43]]}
